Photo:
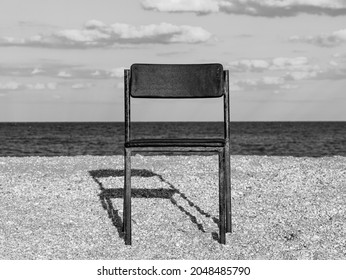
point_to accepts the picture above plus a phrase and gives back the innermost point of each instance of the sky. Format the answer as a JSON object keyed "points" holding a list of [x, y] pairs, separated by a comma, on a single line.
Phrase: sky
{"points": [[64, 60]]}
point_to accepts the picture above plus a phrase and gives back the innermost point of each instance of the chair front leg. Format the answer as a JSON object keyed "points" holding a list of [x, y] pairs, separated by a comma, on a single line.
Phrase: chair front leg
{"points": [[227, 178], [127, 198]]}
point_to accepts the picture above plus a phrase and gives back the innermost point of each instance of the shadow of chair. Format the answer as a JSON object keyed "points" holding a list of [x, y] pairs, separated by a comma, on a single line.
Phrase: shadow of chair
{"points": [[179, 81], [106, 195]]}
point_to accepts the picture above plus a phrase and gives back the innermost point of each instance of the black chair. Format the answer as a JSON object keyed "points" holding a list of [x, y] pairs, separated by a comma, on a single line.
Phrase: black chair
{"points": [[179, 81]]}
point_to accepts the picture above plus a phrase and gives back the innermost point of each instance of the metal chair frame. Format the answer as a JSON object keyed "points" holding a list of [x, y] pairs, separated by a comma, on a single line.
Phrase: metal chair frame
{"points": [[219, 146]]}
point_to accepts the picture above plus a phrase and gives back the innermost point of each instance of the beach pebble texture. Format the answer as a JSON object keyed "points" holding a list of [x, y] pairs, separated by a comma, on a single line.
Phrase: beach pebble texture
{"points": [[72, 208]]}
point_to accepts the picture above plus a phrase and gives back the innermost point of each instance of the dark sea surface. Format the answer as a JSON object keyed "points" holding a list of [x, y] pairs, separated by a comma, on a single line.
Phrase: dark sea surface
{"points": [[310, 139]]}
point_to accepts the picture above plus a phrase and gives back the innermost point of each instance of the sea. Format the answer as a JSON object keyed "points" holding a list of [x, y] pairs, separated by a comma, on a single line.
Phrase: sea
{"points": [[298, 139]]}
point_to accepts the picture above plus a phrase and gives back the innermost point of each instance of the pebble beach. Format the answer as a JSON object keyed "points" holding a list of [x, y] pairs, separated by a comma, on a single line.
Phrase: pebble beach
{"points": [[71, 208]]}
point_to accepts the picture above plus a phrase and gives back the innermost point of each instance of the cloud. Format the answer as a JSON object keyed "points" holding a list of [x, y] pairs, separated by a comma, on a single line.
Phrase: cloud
{"points": [[272, 83], [97, 73], [301, 75], [51, 86], [255, 65], [338, 59], [340, 55], [333, 39], [196, 6], [285, 63], [13, 85], [268, 80], [64, 74], [42, 86], [265, 8], [117, 72], [61, 71], [336, 69], [282, 73], [31, 70], [278, 63], [37, 86], [36, 71], [81, 85], [98, 34], [264, 83]]}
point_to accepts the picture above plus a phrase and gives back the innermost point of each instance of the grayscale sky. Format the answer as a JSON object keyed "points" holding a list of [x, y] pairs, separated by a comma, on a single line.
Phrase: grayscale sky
{"points": [[63, 60]]}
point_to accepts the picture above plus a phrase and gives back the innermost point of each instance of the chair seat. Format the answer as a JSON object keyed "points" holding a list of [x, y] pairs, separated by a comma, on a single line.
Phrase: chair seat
{"points": [[180, 142]]}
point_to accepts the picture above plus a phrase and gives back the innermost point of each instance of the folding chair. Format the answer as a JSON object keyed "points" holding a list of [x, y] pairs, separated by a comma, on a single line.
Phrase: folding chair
{"points": [[179, 81]]}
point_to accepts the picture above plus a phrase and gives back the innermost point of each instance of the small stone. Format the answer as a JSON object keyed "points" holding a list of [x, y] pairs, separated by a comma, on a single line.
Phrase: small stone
{"points": [[315, 238]]}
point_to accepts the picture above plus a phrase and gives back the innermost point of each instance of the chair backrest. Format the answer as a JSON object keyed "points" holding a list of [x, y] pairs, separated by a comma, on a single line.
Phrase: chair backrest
{"points": [[176, 80]]}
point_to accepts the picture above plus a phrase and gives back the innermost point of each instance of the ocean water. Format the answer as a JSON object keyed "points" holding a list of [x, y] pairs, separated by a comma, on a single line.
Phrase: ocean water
{"points": [[311, 139]]}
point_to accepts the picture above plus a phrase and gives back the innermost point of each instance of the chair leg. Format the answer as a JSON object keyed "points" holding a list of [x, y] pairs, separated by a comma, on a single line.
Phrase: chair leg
{"points": [[222, 206], [127, 198], [227, 178]]}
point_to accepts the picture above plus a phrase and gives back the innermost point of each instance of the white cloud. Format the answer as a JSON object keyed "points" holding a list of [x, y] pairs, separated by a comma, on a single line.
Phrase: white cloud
{"points": [[117, 72], [268, 80], [334, 72], [333, 63], [41, 86], [96, 73], [51, 86], [264, 83], [81, 85], [62, 71], [188, 34], [37, 86], [267, 8], [340, 55], [234, 87], [10, 40], [272, 83], [249, 65], [338, 60], [301, 75], [285, 63], [98, 34], [11, 85], [282, 72], [288, 86], [333, 39], [278, 63], [36, 71], [288, 68], [64, 74], [197, 6], [81, 36]]}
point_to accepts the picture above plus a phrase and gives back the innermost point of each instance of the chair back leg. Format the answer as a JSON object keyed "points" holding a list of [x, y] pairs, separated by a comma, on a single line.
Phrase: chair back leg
{"points": [[222, 198], [127, 198], [227, 167]]}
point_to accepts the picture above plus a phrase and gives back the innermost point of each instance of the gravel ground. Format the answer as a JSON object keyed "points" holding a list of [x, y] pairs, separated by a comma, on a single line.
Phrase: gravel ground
{"points": [[71, 208]]}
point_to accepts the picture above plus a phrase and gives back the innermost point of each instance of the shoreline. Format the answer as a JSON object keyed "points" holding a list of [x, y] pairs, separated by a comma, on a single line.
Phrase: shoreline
{"points": [[71, 208]]}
